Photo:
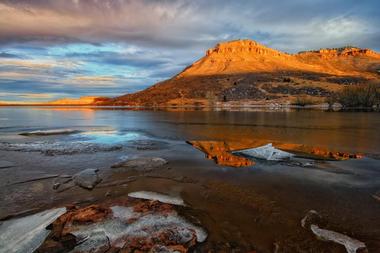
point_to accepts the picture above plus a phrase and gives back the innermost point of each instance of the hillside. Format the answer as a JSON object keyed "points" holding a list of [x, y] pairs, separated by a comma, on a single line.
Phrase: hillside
{"points": [[246, 71]]}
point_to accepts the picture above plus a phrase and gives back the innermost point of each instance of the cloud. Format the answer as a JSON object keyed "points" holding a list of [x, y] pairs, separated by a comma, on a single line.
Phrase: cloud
{"points": [[8, 55], [92, 80], [111, 47], [27, 96]]}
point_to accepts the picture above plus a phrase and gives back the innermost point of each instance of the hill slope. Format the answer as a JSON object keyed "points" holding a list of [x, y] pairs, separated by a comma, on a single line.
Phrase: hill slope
{"points": [[244, 70]]}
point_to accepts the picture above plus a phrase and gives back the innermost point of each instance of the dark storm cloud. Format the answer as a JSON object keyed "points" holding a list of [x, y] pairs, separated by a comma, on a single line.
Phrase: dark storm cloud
{"points": [[187, 23]]}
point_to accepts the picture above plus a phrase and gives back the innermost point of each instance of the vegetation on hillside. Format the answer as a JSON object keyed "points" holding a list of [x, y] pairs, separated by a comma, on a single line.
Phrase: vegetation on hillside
{"points": [[303, 101], [357, 96]]}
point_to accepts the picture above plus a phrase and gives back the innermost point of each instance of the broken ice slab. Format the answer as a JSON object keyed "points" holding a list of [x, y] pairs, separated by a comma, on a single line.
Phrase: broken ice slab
{"points": [[59, 148], [267, 152], [24, 235], [50, 132], [351, 245], [157, 196]]}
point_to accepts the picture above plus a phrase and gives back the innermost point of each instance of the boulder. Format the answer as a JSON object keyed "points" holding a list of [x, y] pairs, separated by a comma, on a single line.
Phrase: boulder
{"points": [[142, 163], [87, 179]]}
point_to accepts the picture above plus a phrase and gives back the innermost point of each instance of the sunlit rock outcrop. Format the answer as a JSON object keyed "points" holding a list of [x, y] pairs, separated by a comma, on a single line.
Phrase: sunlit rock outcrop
{"points": [[220, 153]]}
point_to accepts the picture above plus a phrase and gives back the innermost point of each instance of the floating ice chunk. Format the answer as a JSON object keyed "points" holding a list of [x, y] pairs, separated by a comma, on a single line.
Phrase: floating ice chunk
{"points": [[351, 245], [157, 196], [59, 148], [24, 235], [267, 152], [50, 132]]}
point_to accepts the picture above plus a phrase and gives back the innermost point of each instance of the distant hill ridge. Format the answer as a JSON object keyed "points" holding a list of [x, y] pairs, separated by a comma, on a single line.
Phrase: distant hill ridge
{"points": [[245, 70]]}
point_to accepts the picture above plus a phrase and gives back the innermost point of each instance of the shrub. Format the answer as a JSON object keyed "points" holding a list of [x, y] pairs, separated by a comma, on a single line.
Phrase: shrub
{"points": [[303, 101], [359, 96]]}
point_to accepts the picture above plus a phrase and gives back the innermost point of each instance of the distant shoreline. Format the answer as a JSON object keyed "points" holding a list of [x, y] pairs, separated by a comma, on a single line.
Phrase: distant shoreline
{"points": [[323, 107]]}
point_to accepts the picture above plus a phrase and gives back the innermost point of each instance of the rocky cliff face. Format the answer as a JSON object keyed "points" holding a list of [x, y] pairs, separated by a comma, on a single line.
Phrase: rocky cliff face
{"points": [[246, 70], [342, 52], [238, 57]]}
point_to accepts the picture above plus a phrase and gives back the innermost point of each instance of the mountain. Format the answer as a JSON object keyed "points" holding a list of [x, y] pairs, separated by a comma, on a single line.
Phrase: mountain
{"points": [[246, 71]]}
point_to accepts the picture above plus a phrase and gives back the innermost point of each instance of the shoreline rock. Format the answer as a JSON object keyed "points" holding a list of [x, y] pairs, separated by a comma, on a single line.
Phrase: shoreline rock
{"points": [[144, 164], [87, 178]]}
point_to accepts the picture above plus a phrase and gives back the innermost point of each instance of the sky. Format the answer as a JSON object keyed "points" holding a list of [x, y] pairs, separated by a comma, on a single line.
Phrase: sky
{"points": [[51, 49]]}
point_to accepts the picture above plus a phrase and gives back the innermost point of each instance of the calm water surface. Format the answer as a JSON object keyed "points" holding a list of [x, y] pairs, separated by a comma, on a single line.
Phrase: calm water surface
{"points": [[347, 131], [252, 208]]}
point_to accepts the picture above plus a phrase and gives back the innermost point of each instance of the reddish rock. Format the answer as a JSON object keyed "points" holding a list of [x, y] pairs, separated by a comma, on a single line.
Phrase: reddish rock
{"points": [[152, 207], [136, 226], [220, 152], [93, 213]]}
